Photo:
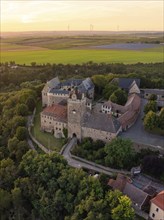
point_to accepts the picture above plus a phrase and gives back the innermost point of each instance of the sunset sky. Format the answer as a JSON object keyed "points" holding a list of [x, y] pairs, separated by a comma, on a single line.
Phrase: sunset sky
{"points": [[109, 15]]}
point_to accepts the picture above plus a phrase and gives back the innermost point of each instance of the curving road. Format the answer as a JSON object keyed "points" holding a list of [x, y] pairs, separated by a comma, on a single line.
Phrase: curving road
{"points": [[78, 162]]}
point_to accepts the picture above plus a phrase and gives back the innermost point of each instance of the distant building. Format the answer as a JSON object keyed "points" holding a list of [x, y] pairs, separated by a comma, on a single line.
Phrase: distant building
{"points": [[157, 207]]}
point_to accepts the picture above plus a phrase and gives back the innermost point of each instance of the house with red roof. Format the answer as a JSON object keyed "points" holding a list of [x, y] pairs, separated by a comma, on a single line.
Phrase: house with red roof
{"points": [[157, 207]]}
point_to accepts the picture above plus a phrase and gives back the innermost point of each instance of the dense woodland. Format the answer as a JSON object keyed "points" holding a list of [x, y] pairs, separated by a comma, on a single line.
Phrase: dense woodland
{"points": [[38, 186]]}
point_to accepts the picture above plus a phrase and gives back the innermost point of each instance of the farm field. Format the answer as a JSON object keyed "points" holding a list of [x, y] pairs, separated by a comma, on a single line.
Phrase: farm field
{"points": [[81, 49], [81, 56]]}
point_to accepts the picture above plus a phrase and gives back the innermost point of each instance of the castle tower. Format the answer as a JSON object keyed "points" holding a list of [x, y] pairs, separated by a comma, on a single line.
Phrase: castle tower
{"points": [[76, 110]]}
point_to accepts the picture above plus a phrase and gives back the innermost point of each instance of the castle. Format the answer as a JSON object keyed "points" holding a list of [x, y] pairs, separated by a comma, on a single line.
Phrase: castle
{"points": [[69, 105]]}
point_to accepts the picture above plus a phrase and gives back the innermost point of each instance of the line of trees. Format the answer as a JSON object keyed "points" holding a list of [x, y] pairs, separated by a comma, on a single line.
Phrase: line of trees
{"points": [[120, 154]]}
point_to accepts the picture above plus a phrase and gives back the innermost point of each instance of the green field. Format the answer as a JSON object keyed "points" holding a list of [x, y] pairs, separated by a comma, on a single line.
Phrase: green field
{"points": [[46, 139], [81, 56], [77, 49]]}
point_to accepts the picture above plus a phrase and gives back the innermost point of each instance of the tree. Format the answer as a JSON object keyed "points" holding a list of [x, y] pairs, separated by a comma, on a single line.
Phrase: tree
{"points": [[161, 118], [17, 148], [12, 144], [30, 102], [150, 106], [153, 165], [120, 153], [33, 64], [153, 97], [22, 110], [99, 81], [108, 90], [112, 198], [123, 210], [7, 173], [17, 202], [113, 98], [65, 132], [21, 133], [119, 96], [151, 120], [5, 203]]}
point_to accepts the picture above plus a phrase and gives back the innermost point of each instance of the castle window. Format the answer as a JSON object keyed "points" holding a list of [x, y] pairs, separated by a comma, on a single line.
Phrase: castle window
{"points": [[74, 111], [49, 122], [153, 215], [157, 209], [44, 120]]}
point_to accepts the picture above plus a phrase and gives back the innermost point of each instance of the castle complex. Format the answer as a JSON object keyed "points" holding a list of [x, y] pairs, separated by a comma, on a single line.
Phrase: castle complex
{"points": [[69, 105]]}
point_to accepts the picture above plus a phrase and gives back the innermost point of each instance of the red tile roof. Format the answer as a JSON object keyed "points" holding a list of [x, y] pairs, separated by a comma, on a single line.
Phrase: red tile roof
{"points": [[159, 200], [59, 112]]}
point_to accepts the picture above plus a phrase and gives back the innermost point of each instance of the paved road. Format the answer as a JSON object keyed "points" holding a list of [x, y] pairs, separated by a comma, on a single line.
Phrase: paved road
{"points": [[139, 135], [81, 163]]}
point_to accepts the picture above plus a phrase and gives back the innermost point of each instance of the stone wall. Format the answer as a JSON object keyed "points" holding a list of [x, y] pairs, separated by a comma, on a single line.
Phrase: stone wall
{"points": [[44, 98], [58, 129], [53, 99], [97, 134], [47, 123]]}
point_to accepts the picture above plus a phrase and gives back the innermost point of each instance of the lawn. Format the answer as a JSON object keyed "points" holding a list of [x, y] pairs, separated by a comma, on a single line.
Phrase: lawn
{"points": [[46, 139], [81, 56]]}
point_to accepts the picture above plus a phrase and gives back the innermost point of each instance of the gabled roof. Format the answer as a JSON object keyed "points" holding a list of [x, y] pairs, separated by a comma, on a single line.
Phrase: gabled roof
{"points": [[159, 200], [135, 194], [59, 112], [88, 84], [134, 88], [53, 82], [125, 83], [101, 121], [119, 183]]}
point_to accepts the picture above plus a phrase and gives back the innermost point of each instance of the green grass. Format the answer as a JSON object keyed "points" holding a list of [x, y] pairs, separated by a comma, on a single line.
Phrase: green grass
{"points": [[46, 139], [81, 56], [157, 131]]}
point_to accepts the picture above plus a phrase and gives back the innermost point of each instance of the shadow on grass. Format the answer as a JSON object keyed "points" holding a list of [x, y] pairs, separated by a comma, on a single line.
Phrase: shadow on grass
{"points": [[46, 139]]}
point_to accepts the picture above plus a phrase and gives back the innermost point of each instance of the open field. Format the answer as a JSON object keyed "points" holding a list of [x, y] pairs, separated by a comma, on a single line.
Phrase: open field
{"points": [[48, 140], [81, 56], [79, 49]]}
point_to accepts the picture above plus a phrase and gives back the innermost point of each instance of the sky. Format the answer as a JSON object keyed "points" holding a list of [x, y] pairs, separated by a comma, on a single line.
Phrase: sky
{"points": [[55, 15]]}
